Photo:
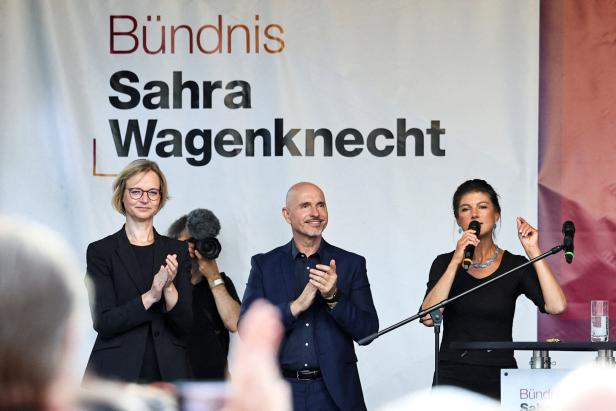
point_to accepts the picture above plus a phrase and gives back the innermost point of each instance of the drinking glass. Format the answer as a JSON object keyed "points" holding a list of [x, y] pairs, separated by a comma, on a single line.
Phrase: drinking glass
{"points": [[599, 320]]}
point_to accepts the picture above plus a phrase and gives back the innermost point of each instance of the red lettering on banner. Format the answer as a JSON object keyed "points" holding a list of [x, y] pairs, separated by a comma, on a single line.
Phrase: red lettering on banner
{"points": [[277, 39], [161, 49], [127, 35], [189, 32], [113, 33], [217, 30]]}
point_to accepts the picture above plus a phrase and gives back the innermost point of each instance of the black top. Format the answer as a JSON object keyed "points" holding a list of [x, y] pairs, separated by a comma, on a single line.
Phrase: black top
{"points": [[149, 369], [208, 342], [145, 258], [486, 314]]}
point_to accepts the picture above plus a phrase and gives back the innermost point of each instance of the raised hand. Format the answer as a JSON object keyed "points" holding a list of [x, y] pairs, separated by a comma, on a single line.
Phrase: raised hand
{"points": [[160, 281], [172, 268], [529, 237], [256, 383], [305, 300], [207, 268], [325, 278]]}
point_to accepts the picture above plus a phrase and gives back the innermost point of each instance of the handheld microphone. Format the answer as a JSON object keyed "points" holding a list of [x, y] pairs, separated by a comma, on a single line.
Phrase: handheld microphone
{"points": [[568, 233], [470, 249]]}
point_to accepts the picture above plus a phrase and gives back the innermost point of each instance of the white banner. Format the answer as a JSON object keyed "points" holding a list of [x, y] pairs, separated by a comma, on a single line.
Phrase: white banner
{"points": [[388, 106]]}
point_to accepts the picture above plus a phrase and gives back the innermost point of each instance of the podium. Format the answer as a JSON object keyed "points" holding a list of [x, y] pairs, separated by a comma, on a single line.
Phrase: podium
{"points": [[526, 389], [541, 350]]}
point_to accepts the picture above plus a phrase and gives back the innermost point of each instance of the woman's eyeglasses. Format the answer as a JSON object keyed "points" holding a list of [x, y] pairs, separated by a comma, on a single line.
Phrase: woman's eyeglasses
{"points": [[137, 193]]}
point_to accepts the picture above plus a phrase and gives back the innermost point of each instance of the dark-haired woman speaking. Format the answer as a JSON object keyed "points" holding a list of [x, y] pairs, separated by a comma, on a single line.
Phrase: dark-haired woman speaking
{"points": [[487, 314]]}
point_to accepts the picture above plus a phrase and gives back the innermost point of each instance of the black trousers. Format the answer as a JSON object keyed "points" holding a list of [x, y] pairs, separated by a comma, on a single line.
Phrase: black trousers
{"points": [[482, 379]]}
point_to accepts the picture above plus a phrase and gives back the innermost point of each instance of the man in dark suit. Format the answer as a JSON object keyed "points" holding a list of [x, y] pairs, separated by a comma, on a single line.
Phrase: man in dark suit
{"points": [[324, 298]]}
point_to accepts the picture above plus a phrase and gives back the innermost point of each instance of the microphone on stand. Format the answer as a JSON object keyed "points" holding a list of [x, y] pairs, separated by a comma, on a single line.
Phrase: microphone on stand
{"points": [[568, 233], [470, 249]]}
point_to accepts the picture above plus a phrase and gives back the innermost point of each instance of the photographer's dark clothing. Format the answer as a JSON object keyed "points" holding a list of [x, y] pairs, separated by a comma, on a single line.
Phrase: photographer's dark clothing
{"points": [[208, 342], [485, 315]]}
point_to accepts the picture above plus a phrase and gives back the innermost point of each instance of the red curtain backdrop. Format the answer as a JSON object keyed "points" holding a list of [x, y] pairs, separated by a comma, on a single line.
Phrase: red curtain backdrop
{"points": [[577, 156]]}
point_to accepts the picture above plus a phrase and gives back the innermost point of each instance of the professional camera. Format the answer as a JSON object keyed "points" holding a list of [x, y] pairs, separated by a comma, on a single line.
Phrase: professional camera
{"points": [[203, 227]]}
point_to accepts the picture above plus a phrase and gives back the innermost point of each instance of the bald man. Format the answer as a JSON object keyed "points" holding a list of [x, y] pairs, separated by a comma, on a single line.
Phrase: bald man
{"points": [[324, 298]]}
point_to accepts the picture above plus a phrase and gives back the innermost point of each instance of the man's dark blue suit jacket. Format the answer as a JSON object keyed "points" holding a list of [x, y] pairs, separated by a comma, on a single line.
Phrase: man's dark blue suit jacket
{"points": [[354, 317]]}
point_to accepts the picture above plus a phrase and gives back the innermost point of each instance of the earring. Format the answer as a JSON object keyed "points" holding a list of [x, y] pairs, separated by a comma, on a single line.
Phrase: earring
{"points": [[460, 230]]}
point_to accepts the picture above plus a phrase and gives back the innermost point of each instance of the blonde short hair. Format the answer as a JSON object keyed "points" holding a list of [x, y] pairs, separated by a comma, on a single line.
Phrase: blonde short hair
{"points": [[134, 168]]}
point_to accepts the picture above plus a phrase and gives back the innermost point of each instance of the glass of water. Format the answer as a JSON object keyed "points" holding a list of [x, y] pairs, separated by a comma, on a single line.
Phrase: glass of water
{"points": [[599, 320]]}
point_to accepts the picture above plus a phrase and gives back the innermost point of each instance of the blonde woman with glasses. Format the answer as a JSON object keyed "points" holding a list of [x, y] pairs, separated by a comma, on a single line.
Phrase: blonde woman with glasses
{"points": [[140, 294]]}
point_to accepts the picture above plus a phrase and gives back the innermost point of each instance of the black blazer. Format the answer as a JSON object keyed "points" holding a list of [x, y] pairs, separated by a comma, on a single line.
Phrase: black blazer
{"points": [[120, 319]]}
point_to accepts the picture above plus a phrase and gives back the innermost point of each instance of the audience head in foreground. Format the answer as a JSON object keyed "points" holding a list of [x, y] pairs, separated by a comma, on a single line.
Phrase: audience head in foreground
{"points": [[591, 387], [38, 296]]}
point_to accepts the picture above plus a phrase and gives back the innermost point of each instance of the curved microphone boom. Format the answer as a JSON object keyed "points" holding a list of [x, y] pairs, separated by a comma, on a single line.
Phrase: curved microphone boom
{"points": [[470, 249], [568, 233]]}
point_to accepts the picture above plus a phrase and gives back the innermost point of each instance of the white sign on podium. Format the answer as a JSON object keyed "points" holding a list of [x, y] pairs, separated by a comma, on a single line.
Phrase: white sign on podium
{"points": [[526, 389]]}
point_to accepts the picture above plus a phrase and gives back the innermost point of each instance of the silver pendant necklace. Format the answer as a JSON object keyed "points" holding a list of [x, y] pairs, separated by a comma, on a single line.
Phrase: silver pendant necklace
{"points": [[488, 261]]}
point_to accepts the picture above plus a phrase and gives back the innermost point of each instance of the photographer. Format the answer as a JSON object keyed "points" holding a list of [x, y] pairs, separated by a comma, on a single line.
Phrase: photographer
{"points": [[216, 305]]}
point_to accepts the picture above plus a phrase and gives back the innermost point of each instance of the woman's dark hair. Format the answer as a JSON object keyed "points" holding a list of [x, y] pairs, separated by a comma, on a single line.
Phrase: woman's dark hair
{"points": [[474, 186]]}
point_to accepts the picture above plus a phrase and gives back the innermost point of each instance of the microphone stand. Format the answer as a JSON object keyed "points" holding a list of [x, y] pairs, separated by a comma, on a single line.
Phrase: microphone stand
{"points": [[437, 317]]}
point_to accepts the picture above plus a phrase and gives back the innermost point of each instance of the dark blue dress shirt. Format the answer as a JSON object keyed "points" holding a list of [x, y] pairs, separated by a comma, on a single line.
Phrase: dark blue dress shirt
{"points": [[299, 353]]}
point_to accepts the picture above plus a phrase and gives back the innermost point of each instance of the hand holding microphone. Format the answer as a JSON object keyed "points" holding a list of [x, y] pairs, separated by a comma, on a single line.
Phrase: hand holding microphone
{"points": [[469, 250]]}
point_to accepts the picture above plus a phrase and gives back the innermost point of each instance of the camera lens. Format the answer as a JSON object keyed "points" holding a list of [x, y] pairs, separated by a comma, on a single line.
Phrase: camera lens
{"points": [[209, 247]]}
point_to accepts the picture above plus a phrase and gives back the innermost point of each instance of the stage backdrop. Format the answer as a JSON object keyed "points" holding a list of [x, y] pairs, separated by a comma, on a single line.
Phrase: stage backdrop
{"points": [[577, 151], [388, 106]]}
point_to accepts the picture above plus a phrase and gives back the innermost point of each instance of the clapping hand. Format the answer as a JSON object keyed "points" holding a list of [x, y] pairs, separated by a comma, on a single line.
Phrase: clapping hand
{"points": [[163, 279], [172, 268], [324, 278]]}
